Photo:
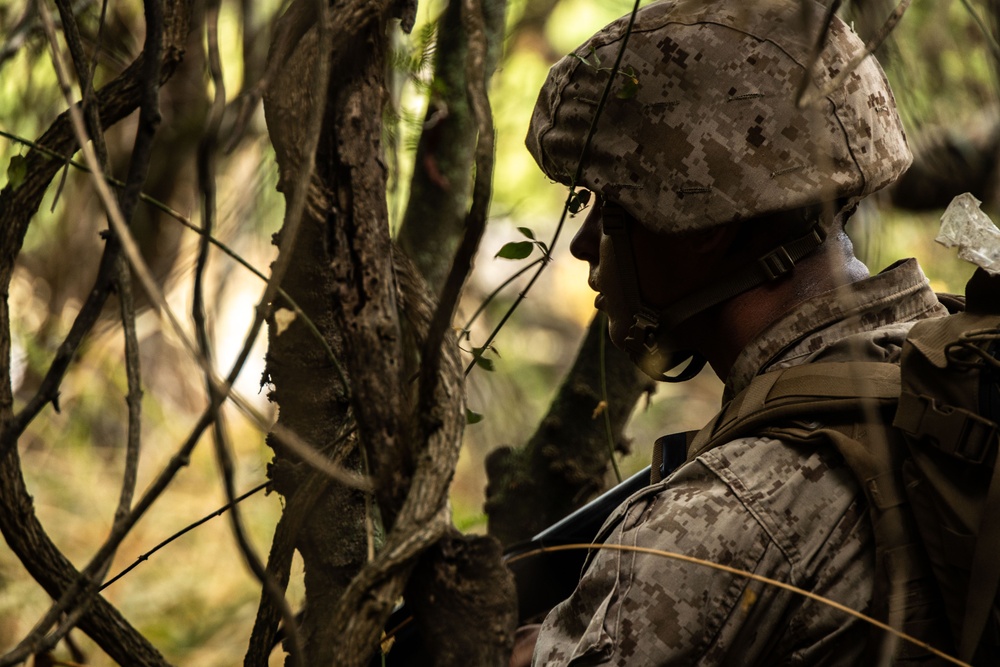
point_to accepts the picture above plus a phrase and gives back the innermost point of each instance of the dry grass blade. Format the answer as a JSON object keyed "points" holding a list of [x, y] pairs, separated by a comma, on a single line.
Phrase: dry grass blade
{"points": [[746, 575]]}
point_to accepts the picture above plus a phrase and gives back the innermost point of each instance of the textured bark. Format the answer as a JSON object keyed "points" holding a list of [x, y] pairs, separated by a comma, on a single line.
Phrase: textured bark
{"points": [[306, 387], [459, 584], [565, 463], [53, 571]]}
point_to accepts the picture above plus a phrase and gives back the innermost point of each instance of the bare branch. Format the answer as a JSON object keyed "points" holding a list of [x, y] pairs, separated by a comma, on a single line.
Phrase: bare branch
{"points": [[184, 531], [134, 397], [36, 641]]}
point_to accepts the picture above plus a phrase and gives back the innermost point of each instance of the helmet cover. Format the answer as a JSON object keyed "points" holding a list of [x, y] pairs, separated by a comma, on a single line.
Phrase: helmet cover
{"points": [[702, 128]]}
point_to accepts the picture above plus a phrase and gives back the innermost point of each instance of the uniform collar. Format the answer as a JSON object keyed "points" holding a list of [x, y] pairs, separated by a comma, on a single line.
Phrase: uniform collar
{"points": [[901, 293]]}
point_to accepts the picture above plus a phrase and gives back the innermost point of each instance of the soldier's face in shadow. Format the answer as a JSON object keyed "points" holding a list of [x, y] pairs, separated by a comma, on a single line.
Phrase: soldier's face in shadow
{"points": [[667, 268]]}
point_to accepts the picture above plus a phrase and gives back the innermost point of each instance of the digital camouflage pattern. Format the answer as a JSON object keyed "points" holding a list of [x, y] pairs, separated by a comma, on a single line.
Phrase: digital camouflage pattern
{"points": [[758, 505], [702, 128]]}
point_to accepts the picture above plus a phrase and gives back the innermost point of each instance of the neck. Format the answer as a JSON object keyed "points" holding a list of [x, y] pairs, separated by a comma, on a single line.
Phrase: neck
{"points": [[724, 331]]}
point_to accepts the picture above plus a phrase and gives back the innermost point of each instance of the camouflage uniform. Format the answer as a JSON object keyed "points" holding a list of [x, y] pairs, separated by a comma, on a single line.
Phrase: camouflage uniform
{"points": [[758, 505]]}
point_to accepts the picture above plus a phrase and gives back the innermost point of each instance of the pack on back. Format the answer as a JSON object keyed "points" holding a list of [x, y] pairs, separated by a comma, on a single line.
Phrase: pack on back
{"points": [[921, 438]]}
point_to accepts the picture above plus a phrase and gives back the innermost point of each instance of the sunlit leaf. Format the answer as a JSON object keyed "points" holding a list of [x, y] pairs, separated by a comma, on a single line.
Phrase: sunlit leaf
{"points": [[516, 250]]}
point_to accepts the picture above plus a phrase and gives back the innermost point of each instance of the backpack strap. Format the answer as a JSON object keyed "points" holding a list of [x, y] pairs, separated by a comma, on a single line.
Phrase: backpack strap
{"points": [[803, 395], [850, 405]]}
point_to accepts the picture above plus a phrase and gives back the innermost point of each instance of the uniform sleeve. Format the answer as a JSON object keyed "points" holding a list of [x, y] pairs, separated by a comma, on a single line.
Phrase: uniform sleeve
{"points": [[642, 609]]}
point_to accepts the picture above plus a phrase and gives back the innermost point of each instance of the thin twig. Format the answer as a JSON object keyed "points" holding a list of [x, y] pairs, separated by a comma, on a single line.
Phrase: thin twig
{"points": [[606, 412], [134, 397], [808, 100], [492, 295], [84, 76], [569, 197], [818, 46], [123, 279], [991, 38], [184, 531], [37, 641], [156, 296]]}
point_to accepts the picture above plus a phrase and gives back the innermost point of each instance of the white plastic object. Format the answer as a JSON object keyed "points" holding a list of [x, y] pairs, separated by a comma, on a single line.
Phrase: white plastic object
{"points": [[964, 225]]}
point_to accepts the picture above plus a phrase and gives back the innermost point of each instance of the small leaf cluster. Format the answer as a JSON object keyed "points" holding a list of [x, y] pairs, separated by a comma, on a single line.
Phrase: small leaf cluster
{"points": [[521, 249]]}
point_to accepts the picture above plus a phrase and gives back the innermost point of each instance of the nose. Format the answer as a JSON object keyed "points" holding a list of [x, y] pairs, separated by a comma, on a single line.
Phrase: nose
{"points": [[586, 243]]}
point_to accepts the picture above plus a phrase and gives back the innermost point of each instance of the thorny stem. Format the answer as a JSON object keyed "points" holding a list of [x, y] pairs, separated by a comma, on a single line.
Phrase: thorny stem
{"points": [[477, 353]]}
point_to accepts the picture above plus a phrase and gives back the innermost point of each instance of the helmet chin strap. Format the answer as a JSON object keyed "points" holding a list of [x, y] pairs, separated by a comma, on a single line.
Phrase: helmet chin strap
{"points": [[647, 342]]}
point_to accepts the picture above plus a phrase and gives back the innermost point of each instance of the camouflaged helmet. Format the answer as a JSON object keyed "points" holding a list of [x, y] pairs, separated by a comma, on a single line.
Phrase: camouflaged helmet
{"points": [[702, 127]]}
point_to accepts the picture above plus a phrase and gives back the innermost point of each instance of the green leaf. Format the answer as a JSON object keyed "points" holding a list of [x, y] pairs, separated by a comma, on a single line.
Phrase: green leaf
{"points": [[527, 232], [472, 417], [593, 54], [485, 364], [515, 250], [17, 171]]}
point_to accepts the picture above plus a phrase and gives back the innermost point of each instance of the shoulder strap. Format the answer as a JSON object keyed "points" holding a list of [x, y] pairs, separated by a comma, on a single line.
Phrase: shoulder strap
{"points": [[810, 393]]}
